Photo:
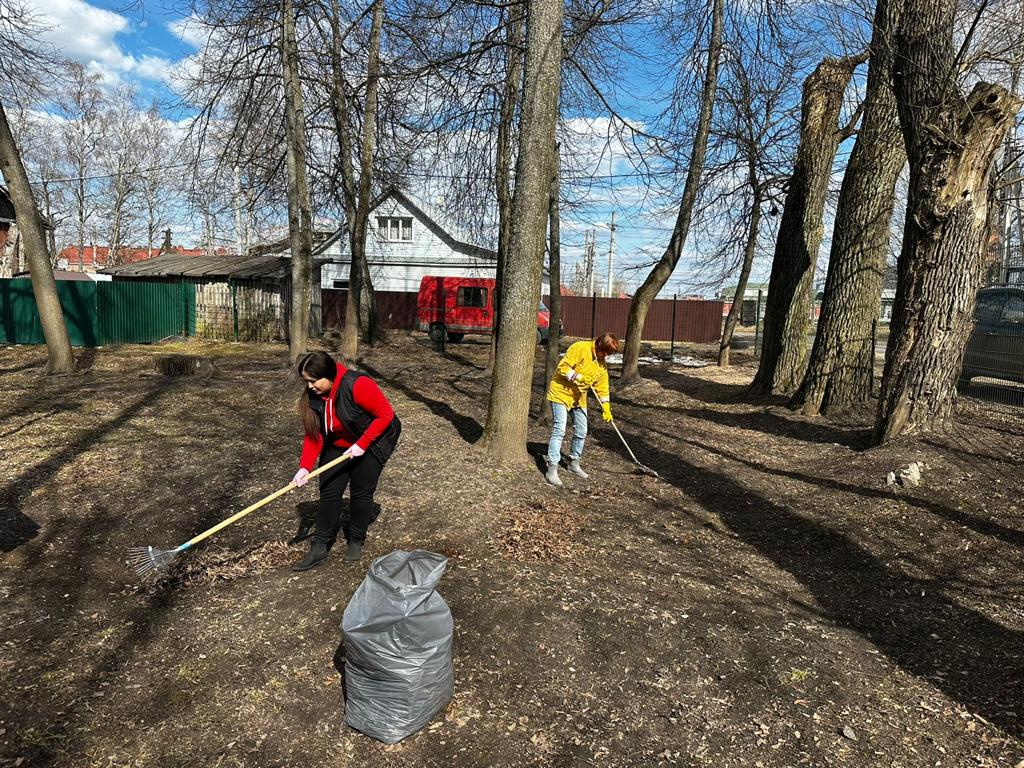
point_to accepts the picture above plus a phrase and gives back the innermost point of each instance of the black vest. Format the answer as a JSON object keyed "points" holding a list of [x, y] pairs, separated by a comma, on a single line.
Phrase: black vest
{"points": [[356, 419]]}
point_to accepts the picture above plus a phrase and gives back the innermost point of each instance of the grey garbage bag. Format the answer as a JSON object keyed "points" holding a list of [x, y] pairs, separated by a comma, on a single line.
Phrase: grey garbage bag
{"points": [[398, 646]]}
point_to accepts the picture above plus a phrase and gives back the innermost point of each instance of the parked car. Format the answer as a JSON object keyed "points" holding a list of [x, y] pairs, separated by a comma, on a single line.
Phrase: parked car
{"points": [[451, 307], [996, 346]]}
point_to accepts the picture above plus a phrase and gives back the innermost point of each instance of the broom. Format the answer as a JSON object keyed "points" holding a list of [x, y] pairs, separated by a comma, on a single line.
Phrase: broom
{"points": [[146, 560]]}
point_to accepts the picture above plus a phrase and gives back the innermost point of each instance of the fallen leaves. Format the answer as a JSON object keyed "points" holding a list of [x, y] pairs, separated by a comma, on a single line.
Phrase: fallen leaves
{"points": [[543, 531]]}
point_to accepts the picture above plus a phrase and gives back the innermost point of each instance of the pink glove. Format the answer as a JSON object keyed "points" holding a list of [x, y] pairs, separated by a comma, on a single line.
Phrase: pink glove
{"points": [[355, 451], [301, 477]]}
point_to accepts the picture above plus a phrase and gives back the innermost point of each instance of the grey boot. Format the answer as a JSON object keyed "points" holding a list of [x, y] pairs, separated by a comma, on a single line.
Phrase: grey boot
{"points": [[552, 475], [576, 469], [354, 551], [317, 554]]}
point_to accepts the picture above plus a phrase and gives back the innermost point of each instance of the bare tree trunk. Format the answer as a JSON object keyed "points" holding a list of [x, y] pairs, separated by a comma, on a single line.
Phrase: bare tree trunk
{"points": [[749, 248], [341, 104], [60, 358], [554, 284], [371, 324], [842, 364], [662, 271], [508, 410], [503, 159], [300, 216], [788, 307], [360, 307], [951, 145]]}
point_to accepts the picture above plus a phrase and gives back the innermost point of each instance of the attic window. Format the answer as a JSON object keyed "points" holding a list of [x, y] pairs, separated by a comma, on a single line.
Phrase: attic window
{"points": [[395, 228]]}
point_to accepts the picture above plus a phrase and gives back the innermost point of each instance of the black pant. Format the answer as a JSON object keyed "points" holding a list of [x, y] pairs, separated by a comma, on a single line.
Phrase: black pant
{"points": [[363, 472]]}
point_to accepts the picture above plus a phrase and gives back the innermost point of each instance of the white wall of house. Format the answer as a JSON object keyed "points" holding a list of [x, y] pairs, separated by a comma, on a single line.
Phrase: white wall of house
{"points": [[399, 260]]}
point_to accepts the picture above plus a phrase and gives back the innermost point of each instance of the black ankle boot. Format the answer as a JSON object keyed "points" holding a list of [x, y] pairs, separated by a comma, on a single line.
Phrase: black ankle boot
{"points": [[354, 551], [316, 555]]}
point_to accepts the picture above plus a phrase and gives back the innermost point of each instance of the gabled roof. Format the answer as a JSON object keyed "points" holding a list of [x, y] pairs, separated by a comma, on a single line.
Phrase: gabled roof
{"points": [[232, 265], [443, 234], [7, 215]]}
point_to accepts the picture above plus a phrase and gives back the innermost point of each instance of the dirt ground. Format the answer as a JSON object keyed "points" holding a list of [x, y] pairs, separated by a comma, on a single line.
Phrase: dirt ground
{"points": [[770, 603]]}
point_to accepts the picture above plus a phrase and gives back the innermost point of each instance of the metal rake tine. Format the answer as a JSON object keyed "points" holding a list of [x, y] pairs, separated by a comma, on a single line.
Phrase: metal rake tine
{"points": [[145, 560]]}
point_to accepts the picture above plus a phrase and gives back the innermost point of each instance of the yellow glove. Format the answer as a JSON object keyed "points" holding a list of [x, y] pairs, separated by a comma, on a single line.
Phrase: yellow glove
{"points": [[606, 411]]}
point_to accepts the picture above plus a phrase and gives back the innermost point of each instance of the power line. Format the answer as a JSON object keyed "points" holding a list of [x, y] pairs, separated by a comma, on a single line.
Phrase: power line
{"points": [[138, 172], [412, 174]]}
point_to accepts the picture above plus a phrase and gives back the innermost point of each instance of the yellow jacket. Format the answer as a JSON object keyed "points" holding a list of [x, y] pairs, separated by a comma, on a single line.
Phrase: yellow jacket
{"points": [[582, 358]]}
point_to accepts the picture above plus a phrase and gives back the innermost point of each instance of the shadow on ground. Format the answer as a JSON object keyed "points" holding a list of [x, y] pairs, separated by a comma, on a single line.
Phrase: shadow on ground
{"points": [[973, 659]]}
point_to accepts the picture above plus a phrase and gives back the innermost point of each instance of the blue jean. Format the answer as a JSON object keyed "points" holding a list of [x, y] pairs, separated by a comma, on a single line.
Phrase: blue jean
{"points": [[560, 414]]}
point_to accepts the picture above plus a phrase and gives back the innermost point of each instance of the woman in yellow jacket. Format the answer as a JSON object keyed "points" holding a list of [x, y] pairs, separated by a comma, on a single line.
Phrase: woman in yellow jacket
{"points": [[582, 367]]}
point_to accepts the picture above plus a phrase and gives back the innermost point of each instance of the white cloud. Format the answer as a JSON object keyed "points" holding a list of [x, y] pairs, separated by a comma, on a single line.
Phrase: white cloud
{"points": [[86, 34], [189, 30]]}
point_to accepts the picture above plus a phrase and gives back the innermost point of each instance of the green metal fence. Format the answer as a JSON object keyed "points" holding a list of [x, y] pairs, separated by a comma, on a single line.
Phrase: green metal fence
{"points": [[101, 313]]}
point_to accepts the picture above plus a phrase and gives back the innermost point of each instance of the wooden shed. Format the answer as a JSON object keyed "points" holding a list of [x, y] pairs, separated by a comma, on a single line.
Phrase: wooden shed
{"points": [[240, 298]]}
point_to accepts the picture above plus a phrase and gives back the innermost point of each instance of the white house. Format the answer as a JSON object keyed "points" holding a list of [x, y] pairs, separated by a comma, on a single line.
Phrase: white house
{"points": [[403, 244]]}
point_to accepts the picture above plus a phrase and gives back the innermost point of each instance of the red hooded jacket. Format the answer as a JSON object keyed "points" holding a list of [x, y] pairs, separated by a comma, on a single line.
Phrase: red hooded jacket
{"points": [[367, 395]]}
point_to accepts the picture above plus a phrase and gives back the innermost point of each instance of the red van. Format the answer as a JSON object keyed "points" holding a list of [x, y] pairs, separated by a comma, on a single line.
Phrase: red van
{"points": [[459, 305]]}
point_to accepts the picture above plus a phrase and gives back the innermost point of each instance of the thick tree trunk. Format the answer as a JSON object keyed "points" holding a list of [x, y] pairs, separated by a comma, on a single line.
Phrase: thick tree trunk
{"points": [[662, 271], [300, 215], [842, 363], [951, 145], [60, 358], [554, 284], [749, 249], [508, 411], [788, 307], [503, 158]]}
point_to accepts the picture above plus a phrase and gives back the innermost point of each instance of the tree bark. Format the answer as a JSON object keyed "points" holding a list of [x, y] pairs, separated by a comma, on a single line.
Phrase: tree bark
{"points": [[503, 159], [508, 411], [842, 363], [788, 307], [951, 144], [554, 284], [370, 321], [361, 306], [59, 357], [300, 215], [749, 249], [662, 271]]}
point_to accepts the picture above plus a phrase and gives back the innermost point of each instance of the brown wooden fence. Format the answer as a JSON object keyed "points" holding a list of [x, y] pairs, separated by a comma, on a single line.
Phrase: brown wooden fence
{"points": [[696, 321], [397, 309], [582, 316]]}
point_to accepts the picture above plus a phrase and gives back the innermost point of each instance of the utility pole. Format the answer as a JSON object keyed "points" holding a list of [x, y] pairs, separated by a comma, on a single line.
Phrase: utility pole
{"points": [[588, 259], [611, 255], [239, 235]]}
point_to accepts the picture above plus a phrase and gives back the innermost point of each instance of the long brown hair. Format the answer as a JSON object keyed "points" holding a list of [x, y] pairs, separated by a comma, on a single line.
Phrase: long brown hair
{"points": [[319, 365]]}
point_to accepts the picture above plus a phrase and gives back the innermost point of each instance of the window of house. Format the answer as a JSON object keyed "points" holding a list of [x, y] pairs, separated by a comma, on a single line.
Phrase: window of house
{"points": [[471, 297], [1013, 310], [395, 228], [340, 284]]}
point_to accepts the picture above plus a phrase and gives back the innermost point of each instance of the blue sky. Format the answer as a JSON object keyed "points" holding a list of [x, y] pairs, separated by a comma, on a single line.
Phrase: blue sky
{"points": [[139, 46], [141, 43]]}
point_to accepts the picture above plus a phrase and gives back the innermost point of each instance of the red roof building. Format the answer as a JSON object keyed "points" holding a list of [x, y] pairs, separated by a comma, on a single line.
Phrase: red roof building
{"points": [[95, 257]]}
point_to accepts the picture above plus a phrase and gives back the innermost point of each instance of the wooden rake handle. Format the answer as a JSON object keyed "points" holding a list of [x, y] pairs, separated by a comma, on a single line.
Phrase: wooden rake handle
{"points": [[262, 502]]}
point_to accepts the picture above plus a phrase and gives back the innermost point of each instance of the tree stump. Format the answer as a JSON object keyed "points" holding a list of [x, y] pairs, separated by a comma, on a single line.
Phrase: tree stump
{"points": [[184, 365]]}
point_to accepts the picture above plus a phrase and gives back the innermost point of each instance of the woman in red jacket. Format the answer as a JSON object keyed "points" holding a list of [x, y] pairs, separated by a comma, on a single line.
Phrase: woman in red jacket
{"points": [[343, 412]]}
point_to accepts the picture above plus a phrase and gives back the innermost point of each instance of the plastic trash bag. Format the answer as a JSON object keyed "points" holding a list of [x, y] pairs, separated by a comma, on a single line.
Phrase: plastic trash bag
{"points": [[398, 647]]}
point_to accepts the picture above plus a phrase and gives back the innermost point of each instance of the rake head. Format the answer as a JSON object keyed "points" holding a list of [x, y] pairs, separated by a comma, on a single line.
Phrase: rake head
{"points": [[147, 560]]}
